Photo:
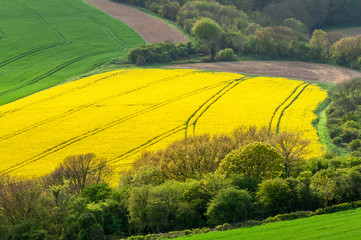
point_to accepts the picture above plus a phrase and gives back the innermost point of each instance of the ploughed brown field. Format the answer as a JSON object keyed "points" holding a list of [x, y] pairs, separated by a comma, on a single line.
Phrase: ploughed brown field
{"points": [[298, 70], [150, 28]]}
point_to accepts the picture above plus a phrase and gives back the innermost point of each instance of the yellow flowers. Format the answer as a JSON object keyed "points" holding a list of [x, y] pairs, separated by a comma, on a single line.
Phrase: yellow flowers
{"points": [[118, 114]]}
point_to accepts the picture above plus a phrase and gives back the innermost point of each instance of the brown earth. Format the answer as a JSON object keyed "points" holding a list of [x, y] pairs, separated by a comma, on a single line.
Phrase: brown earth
{"points": [[150, 28], [297, 70]]}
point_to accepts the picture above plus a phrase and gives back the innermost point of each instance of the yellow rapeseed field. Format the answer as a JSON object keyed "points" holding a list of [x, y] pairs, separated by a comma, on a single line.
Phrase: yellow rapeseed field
{"points": [[118, 114]]}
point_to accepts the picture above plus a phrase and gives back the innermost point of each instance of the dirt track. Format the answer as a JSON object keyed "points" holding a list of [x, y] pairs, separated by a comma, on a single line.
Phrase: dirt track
{"points": [[150, 28], [297, 70], [154, 30]]}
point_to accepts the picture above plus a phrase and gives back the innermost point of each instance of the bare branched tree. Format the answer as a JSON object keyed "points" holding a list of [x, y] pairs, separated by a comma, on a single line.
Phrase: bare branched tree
{"points": [[81, 171], [292, 147], [18, 200]]}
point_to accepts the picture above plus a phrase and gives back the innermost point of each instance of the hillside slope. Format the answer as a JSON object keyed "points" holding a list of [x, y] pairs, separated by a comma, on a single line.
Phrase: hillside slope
{"points": [[341, 225], [118, 114], [45, 42], [150, 28]]}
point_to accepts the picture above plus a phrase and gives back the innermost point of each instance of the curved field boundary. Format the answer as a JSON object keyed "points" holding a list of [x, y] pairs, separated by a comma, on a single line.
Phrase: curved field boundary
{"points": [[151, 29], [105, 127], [91, 104], [51, 72], [42, 20], [276, 110], [289, 69], [99, 23], [283, 111]]}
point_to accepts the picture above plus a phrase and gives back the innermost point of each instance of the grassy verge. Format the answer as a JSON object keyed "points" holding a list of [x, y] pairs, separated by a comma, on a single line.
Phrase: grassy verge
{"points": [[319, 223], [342, 225], [324, 135]]}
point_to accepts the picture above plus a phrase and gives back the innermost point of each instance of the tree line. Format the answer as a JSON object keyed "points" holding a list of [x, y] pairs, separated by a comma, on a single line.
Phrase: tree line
{"points": [[200, 181], [273, 29]]}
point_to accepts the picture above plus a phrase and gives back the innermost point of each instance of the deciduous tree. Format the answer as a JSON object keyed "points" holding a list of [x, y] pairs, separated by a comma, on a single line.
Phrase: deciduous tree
{"points": [[292, 147]]}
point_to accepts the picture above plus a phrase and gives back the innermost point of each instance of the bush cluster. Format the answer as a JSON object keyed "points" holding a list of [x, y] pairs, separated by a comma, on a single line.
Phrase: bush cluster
{"points": [[202, 182], [272, 30], [160, 53], [344, 116]]}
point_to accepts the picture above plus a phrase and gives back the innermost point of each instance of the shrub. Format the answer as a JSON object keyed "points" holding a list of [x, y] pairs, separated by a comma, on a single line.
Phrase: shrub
{"points": [[257, 159], [140, 60], [348, 134], [334, 131], [274, 195], [230, 205], [337, 141], [226, 55], [354, 145]]}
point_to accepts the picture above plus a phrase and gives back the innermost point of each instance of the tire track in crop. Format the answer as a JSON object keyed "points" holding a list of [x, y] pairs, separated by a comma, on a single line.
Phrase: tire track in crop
{"points": [[105, 28], [213, 100], [293, 100], [62, 40], [60, 94], [97, 130], [148, 144], [91, 104], [51, 72], [151, 142], [279, 106]]}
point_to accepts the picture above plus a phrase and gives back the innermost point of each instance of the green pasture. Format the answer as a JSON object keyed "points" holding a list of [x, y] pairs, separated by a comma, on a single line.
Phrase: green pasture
{"points": [[341, 225], [45, 42]]}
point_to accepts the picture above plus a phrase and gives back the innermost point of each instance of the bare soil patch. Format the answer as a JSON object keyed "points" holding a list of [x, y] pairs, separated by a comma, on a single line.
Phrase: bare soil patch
{"points": [[298, 70], [150, 28]]}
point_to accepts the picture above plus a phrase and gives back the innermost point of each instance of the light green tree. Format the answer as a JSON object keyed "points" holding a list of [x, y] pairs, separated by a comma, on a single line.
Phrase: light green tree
{"points": [[256, 159]]}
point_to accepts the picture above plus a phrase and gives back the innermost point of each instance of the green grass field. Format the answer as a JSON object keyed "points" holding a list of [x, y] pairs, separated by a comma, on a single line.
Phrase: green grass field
{"points": [[45, 42], [341, 225]]}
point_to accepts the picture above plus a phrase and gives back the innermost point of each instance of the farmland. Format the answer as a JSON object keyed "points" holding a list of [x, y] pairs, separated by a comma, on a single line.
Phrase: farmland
{"points": [[118, 114], [45, 42], [347, 31], [342, 225]]}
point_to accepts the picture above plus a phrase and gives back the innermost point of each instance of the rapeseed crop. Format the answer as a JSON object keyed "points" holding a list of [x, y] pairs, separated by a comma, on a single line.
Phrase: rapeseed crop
{"points": [[118, 114]]}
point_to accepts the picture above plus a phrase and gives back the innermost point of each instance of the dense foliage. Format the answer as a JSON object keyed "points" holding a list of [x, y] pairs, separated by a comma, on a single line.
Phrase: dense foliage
{"points": [[344, 116], [271, 29], [198, 182]]}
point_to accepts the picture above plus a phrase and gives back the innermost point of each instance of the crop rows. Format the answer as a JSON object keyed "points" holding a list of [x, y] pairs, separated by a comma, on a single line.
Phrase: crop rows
{"points": [[119, 114], [52, 29], [65, 42], [106, 29]]}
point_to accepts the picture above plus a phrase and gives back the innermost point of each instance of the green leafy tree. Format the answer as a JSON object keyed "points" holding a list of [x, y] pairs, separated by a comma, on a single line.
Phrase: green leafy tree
{"points": [[347, 51], [209, 31], [89, 228], [319, 45], [324, 185], [273, 195], [206, 29], [230, 205], [256, 159], [275, 41]]}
